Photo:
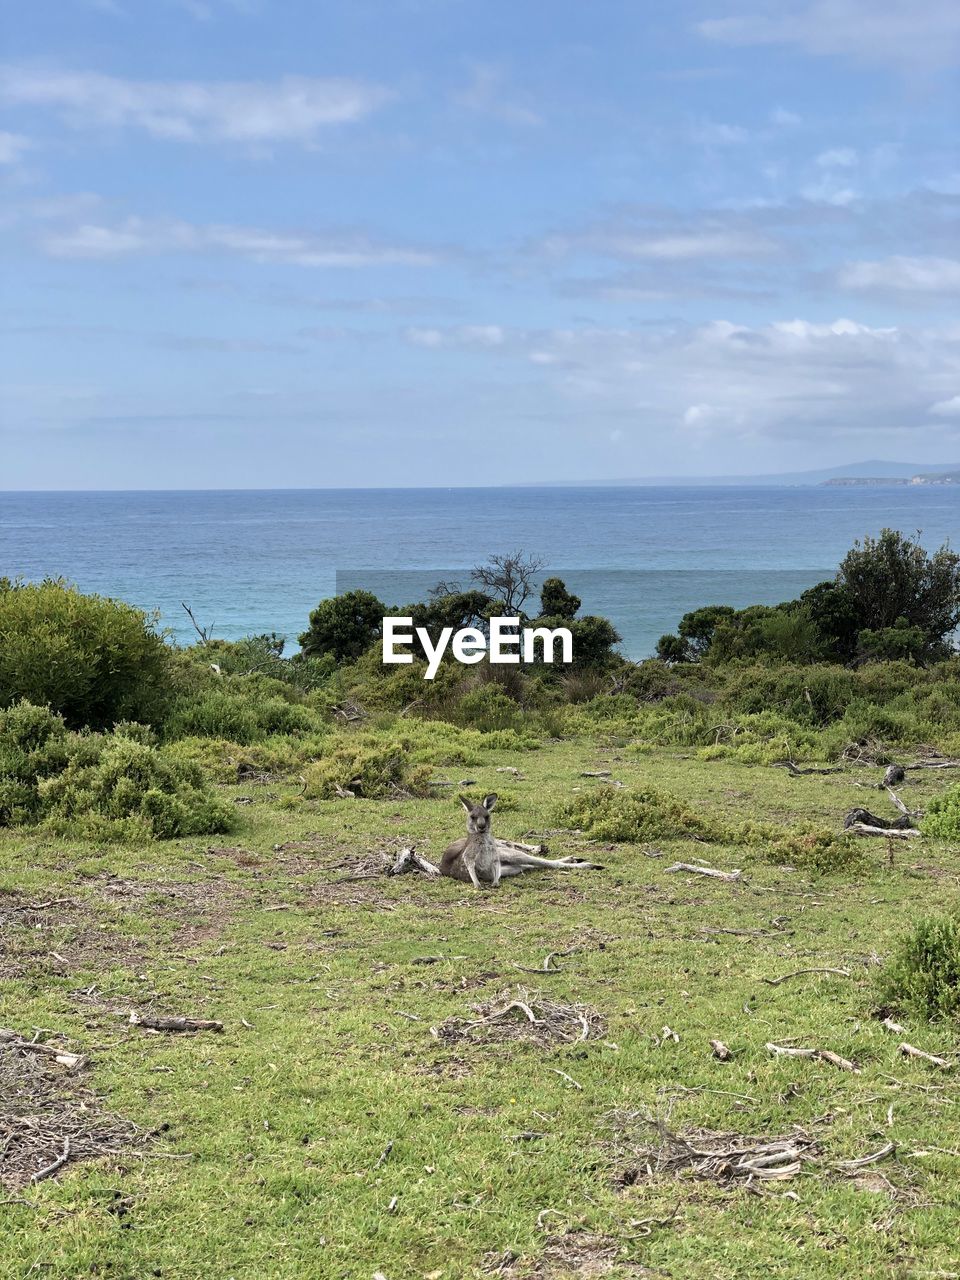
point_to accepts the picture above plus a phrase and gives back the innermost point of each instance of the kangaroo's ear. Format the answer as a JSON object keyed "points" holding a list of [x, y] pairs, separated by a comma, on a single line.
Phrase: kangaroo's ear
{"points": [[490, 802], [466, 804]]}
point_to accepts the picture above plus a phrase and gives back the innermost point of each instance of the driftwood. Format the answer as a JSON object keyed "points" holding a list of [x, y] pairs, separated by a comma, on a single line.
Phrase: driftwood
{"points": [[821, 1055], [894, 833], [410, 860], [72, 1061], [796, 772], [696, 869], [887, 1149], [720, 1051], [49, 1170], [798, 973], [864, 818], [935, 762], [154, 1022], [910, 1051]]}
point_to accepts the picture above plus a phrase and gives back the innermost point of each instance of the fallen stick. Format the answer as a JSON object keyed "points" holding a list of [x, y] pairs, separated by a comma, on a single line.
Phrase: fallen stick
{"points": [[895, 833], [523, 848], [822, 1055], [410, 860], [576, 1084], [886, 1150], [695, 869], [152, 1022], [596, 773], [775, 982], [796, 772], [895, 1027], [72, 1061], [49, 1170], [720, 1051], [910, 1051]]}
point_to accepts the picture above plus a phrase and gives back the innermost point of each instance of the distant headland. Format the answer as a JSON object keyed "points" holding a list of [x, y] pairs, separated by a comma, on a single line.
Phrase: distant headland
{"points": [[874, 473]]}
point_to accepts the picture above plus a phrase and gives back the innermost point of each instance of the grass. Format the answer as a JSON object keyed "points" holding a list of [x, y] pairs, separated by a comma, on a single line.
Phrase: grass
{"points": [[278, 1162]]}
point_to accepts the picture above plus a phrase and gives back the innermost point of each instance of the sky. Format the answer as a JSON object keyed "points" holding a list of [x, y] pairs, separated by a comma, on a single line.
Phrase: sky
{"points": [[298, 243]]}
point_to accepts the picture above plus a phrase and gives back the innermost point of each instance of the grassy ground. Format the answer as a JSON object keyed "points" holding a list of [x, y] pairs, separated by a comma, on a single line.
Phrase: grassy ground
{"points": [[328, 1133]]}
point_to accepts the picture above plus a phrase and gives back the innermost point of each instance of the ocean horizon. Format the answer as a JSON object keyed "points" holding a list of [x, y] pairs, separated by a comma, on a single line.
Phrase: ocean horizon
{"points": [[249, 561]]}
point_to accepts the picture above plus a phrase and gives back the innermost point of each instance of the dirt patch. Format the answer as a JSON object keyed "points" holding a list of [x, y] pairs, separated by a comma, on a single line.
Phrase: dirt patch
{"points": [[50, 1118], [200, 909], [518, 1014], [58, 936], [575, 1254]]}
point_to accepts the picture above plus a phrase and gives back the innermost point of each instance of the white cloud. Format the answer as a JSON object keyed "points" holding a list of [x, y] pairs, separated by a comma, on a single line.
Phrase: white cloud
{"points": [[897, 33], [487, 94], [947, 408], [793, 378], [666, 245], [12, 147], [837, 158], [711, 133], [903, 275], [138, 236], [785, 119], [294, 108], [482, 336], [828, 191]]}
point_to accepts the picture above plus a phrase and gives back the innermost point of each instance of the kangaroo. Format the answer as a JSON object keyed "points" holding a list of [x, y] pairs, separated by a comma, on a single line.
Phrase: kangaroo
{"points": [[474, 856], [479, 857]]}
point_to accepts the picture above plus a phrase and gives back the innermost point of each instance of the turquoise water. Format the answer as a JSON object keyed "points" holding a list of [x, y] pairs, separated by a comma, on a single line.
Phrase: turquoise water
{"points": [[253, 561]]}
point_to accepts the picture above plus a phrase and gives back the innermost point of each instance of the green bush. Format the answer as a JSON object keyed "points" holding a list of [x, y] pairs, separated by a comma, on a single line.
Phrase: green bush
{"points": [[616, 813], [242, 710], [823, 852], [943, 815], [94, 661], [98, 786], [344, 626], [923, 976], [368, 766]]}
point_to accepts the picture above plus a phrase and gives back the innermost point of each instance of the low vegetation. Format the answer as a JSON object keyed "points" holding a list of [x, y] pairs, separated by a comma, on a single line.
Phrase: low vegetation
{"points": [[232, 1046]]}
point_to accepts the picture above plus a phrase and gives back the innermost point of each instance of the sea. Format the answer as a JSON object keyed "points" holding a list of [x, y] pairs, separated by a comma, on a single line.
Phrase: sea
{"points": [[249, 561]]}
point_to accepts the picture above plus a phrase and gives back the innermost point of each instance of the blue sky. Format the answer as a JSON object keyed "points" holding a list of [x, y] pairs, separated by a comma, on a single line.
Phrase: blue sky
{"points": [[300, 243]]}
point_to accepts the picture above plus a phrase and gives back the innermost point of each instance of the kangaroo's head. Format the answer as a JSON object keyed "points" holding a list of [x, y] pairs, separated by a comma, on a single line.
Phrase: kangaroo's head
{"points": [[478, 815]]}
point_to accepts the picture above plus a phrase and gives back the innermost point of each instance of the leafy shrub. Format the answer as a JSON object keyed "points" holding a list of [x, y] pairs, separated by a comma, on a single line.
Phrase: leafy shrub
{"points": [[820, 851], [369, 767], [344, 626], [242, 711], [616, 813], [488, 708], [943, 815], [923, 976], [94, 661], [101, 786]]}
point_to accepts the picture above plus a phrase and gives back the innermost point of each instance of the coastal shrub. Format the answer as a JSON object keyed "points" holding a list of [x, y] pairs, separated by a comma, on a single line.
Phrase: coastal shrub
{"points": [[370, 767], [344, 626], [822, 852], [96, 785], [240, 711], [224, 761], [488, 708], [943, 815], [92, 660], [617, 813], [923, 976]]}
